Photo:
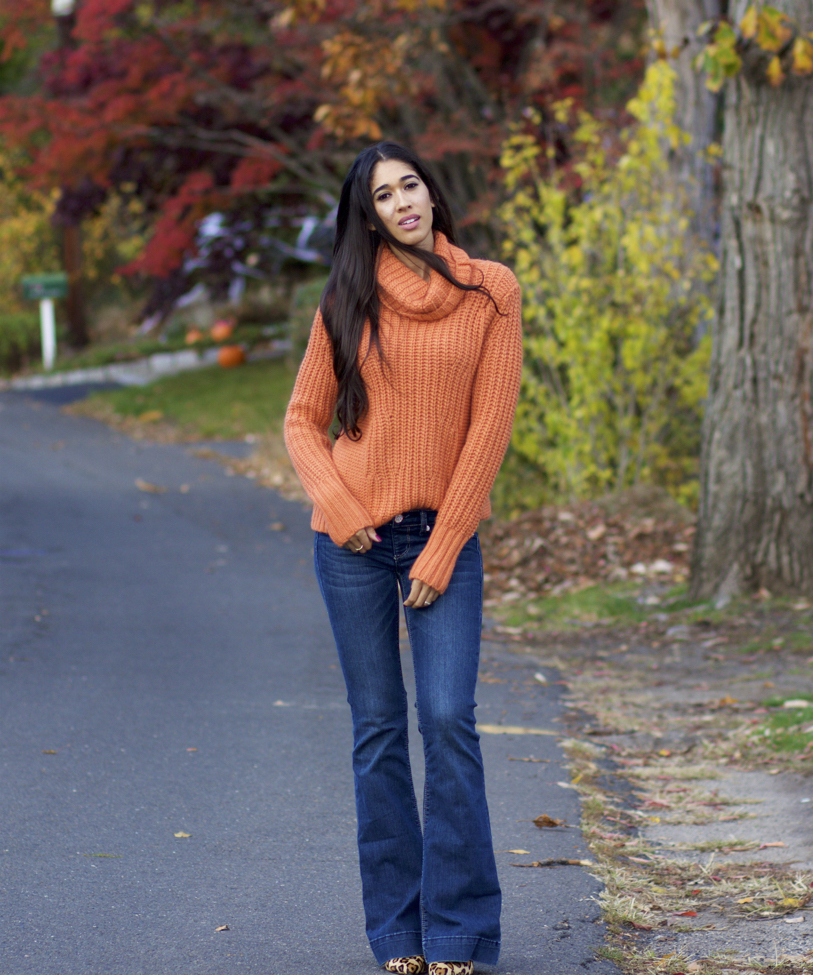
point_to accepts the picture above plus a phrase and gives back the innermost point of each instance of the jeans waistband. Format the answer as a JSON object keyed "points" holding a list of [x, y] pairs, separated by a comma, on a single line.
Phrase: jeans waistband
{"points": [[423, 518]]}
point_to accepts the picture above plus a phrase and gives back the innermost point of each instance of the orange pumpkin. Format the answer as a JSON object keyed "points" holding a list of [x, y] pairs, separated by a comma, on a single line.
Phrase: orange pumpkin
{"points": [[230, 356], [193, 335], [222, 330]]}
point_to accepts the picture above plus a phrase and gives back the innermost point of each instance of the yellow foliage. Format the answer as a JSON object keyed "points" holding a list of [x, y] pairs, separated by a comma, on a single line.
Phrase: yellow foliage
{"points": [[802, 56], [773, 31], [112, 238], [774, 71], [750, 23], [613, 384], [720, 59], [28, 244]]}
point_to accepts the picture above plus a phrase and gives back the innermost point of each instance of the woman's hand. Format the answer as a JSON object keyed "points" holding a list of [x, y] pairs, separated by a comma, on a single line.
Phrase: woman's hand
{"points": [[421, 595], [362, 541]]}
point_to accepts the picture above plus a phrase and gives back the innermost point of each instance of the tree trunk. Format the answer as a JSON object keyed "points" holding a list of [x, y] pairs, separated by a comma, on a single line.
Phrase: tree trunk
{"points": [[698, 112], [756, 507], [74, 303]]}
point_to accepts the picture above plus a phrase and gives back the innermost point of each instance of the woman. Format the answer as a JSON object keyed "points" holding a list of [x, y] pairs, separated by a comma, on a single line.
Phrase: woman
{"points": [[416, 351]]}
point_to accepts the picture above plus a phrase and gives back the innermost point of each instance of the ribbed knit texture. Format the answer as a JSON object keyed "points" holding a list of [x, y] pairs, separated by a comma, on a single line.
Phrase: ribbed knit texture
{"points": [[440, 412]]}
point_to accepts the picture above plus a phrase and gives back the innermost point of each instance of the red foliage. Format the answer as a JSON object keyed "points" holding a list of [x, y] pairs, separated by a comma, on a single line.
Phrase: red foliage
{"points": [[253, 173], [197, 105]]}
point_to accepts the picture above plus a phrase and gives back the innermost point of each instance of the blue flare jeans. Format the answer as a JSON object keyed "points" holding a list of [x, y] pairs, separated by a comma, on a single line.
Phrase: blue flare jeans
{"points": [[433, 892]]}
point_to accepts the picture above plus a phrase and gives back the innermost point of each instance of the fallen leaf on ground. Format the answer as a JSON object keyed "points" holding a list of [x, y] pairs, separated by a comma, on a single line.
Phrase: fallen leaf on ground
{"points": [[548, 822], [223, 927], [685, 914], [151, 416], [185, 488], [797, 703], [511, 729], [49, 751], [766, 846], [277, 526], [149, 488], [794, 920], [183, 836], [520, 852], [556, 863], [512, 759], [746, 900]]}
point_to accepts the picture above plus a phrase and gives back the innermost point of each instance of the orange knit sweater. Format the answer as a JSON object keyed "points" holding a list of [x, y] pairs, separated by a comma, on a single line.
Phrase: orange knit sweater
{"points": [[439, 418]]}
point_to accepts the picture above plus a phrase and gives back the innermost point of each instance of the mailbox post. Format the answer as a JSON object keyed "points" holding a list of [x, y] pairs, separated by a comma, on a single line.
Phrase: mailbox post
{"points": [[44, 288]]}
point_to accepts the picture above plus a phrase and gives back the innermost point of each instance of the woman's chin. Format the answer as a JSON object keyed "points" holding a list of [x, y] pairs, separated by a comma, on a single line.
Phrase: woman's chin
{"points": [[416, 238]]}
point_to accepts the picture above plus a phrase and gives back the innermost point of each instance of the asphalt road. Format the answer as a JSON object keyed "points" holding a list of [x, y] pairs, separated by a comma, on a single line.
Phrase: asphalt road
{"points": [[166, 668]]}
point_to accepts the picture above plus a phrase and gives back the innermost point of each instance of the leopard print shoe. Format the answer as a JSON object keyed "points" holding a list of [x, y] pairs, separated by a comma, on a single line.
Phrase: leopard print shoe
{"points": [[412, 965], [451, 968]]}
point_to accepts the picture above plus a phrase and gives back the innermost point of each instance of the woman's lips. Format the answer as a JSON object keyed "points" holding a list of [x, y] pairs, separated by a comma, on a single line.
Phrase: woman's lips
{"points": [[409, 221]]}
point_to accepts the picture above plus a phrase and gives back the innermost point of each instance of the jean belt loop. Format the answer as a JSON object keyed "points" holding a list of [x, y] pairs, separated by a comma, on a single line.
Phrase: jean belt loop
{"points": [[423, 520]]}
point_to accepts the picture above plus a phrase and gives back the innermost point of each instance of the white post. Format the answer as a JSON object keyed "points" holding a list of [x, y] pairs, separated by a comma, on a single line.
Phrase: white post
{"points": [[48, 333]]}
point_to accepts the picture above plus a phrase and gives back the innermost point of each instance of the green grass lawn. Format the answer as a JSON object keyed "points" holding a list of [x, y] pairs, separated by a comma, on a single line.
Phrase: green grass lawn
{"points": [[211, 403]]}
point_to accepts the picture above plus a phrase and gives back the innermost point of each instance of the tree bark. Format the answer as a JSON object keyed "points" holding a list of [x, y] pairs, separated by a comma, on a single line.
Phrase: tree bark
{"points": [[698, 109], [755, 525], [74, 303]]}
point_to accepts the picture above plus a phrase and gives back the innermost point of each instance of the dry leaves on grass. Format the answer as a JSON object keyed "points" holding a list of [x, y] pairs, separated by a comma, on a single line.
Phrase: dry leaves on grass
{"points": [[640, 533]]}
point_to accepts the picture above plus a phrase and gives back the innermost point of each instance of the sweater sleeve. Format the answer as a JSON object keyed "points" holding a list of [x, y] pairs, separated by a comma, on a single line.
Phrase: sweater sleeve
{"points": [[307, 421], [493, 402]]}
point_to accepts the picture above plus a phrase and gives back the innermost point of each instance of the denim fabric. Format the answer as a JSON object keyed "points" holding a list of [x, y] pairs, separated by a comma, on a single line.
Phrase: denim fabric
{"points": [[435, 893]]}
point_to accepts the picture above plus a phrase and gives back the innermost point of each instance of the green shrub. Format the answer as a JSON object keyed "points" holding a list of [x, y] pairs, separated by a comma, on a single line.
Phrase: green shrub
{"points": [[614, 292], [19, 340]]}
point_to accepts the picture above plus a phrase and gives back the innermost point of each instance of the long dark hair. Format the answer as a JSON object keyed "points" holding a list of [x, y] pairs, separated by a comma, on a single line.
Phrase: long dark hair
{"points": [[350, 296]]}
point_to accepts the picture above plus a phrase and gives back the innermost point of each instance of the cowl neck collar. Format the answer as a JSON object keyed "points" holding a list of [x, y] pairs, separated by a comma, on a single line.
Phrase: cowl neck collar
{"points": [[406, 293]]}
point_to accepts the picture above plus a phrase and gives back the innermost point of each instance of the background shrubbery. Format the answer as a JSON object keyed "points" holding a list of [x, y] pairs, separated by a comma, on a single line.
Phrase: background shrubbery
{"points": [[615, 303]]}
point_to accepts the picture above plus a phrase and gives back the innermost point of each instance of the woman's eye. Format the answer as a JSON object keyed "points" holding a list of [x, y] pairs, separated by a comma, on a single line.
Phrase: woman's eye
{"points": [[411, 186], [380, 199]]}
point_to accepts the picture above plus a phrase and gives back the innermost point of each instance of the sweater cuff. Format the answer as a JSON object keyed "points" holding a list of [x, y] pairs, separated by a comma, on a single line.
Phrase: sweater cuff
{"points": [[344, 516], [436, 563]]}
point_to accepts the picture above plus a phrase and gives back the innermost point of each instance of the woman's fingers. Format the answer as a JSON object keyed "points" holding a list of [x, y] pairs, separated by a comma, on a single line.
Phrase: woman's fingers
{"points": [[363, 540], [421, 594]]}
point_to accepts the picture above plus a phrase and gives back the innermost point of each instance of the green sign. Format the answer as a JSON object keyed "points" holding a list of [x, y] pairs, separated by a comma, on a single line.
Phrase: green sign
{"points": [[39, 286]]}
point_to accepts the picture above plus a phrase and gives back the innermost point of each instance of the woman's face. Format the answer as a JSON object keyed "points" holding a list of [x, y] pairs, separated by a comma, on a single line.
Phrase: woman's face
{"points": [[402, 201]]}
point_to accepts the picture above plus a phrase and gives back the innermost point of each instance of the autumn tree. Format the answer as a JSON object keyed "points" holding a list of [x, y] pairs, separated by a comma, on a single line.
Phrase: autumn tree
{"points": [[248, 105], [756, 507]]}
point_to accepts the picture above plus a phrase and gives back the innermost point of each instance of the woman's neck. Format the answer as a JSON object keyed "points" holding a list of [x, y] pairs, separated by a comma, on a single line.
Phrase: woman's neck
{"points": [[421, 268]]}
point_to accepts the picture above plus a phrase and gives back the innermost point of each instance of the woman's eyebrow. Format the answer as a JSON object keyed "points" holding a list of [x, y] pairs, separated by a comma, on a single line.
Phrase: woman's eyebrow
{"points": [[386, 186]]}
